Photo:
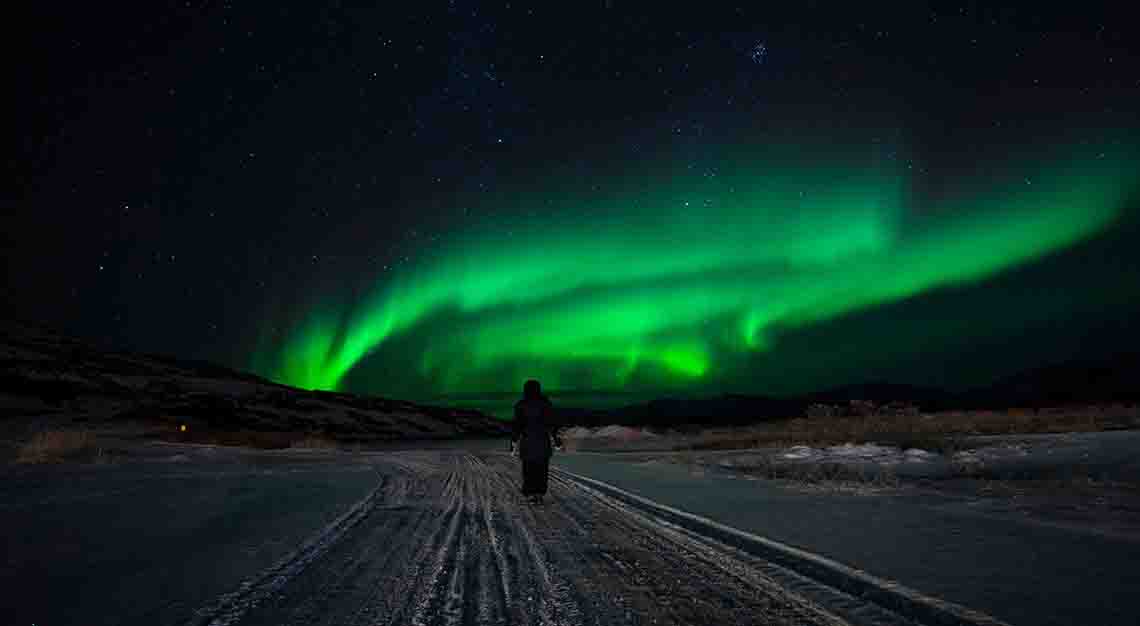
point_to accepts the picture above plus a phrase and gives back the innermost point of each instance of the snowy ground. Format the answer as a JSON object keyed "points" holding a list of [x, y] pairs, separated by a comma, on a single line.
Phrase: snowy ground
{"points": [[183, 534], [1090, 481], [1041, 551], [1111, 455], [994, 456], [1035, 529], [204, 535]]}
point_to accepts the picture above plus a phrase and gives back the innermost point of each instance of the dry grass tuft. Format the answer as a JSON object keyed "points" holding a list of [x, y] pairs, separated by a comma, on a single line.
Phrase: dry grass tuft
{"points": [[53, 446]]}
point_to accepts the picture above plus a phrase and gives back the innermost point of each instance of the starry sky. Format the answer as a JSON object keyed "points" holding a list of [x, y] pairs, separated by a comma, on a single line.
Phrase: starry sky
{"points": [[450, 197]]}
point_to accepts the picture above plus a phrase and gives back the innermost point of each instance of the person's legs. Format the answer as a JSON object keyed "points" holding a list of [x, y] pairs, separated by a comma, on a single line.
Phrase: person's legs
{"points": [[543, 478], [529, 475]]}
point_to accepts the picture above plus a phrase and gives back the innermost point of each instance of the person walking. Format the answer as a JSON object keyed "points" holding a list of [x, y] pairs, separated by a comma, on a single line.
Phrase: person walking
{"points": [[531, 436]]}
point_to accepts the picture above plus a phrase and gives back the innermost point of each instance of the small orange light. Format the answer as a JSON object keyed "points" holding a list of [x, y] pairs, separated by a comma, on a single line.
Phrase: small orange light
{"points": [[182, 428]]}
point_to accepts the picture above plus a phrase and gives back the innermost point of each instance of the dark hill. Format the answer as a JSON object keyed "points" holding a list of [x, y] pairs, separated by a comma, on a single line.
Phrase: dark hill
{"points": [[1112, 380], [47, 378]]}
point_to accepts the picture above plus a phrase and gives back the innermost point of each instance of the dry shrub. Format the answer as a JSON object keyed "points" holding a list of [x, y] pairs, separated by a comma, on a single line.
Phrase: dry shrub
{"points": [[58, 445]]}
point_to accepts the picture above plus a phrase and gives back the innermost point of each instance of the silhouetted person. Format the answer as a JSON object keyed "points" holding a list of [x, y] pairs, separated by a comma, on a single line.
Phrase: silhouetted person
{"points": [[532, 433]]}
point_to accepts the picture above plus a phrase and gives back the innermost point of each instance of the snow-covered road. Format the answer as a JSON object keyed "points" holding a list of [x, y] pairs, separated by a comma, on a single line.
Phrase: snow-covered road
{"points": [[446, 539], [430, 537]]}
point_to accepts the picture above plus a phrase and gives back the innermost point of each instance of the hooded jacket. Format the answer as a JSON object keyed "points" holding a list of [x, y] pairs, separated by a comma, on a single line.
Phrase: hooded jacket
{"points": [[534, 420]]}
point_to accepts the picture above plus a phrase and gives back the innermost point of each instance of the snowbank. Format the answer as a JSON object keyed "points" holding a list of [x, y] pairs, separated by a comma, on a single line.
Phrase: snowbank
{"points": [[856, 453], [608, 435]]}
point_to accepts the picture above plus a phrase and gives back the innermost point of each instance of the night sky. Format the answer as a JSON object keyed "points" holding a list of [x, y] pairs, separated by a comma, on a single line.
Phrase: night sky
{"points": [[446, 197]]}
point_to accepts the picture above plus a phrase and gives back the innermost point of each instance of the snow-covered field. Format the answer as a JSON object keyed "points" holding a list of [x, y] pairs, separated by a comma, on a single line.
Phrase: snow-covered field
{"points": [[1103, 455], [613, 438], [1107, 455]]}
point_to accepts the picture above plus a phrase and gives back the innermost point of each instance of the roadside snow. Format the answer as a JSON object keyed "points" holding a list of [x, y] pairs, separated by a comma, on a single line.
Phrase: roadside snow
{"points": [[799, 452], [857, 453], [990, 454], [617, 433], [1111, 454], [577, 432]]}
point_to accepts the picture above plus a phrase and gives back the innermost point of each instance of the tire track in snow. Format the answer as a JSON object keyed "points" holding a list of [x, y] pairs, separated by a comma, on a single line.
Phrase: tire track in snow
{"points": [[493, 568], [714, 579], [846, 590], [449, 541], [230, 608], [389, 585], [446, 552], [723, 577], [409, 590]]}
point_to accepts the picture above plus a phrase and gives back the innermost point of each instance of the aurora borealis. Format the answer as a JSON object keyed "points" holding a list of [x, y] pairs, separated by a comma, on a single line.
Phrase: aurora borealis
{"points": [[443, 199], [676, 283]]}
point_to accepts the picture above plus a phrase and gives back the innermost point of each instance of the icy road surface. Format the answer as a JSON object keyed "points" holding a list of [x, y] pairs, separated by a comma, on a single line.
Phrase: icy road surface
{"points": [[446, 539], [404, 537]]}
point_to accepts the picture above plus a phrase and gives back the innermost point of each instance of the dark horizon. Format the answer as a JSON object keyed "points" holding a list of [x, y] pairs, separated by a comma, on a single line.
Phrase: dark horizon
{"points": [[1105, 380]]}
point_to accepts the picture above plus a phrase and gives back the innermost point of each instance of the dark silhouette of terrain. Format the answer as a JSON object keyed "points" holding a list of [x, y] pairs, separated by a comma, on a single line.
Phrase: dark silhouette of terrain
{"points": [[1112, 380], [50, 380], [47, 378]]}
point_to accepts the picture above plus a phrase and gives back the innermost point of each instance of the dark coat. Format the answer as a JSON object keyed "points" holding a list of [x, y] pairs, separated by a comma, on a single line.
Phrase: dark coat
{"points": [[533, 427]]}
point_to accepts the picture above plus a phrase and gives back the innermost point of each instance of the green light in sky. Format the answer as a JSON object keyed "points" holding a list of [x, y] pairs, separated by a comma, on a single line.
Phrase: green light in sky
{"points": [[665, 283]]}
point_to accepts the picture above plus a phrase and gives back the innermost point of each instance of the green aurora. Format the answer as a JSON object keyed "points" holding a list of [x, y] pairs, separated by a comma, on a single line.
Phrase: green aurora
{"points": [[682, 276]]}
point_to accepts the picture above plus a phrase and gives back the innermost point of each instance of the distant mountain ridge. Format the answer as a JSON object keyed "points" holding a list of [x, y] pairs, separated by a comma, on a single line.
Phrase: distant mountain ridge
{"points": [[46, 376], [1112, 380]]}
